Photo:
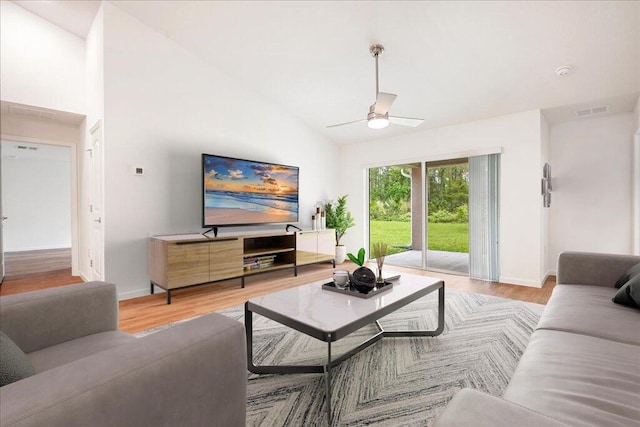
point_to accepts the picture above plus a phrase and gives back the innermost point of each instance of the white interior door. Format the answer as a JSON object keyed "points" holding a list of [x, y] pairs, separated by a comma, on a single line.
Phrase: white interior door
{"points": [[95, 207]]}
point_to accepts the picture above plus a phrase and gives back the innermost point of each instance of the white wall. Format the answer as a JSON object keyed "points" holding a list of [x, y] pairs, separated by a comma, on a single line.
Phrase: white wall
{"points": [[546, 267], [163, 108], [591, 200], [26, 127], [40, 63], [519, 135], [36, 197]]}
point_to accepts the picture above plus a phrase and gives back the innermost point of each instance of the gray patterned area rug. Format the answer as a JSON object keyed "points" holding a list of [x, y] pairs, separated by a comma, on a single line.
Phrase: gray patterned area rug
{"points": [[397, 381]]}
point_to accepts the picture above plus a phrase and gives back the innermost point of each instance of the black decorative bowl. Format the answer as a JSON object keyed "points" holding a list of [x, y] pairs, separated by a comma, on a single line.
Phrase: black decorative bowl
{"points": [[363, 279]]}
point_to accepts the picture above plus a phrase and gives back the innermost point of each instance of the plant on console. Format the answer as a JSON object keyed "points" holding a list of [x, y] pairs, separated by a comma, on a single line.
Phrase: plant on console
{"points": [[340, 219]]}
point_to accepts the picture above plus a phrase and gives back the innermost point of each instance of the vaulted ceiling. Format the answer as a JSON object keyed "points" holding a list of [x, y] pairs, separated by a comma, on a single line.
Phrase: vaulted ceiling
{"points": [[449, 62]]}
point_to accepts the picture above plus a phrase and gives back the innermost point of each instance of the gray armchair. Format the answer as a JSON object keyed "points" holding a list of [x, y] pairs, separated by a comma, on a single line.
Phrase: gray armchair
{"points": [[89, 373]]}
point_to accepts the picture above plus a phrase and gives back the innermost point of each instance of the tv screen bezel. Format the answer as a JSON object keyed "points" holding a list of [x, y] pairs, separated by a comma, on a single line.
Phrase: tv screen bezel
{"points": [[203, 192]]}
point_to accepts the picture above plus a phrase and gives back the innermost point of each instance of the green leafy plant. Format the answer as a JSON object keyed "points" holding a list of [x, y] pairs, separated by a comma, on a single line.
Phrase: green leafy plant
{"points": [[359, 259], [338, 217]]}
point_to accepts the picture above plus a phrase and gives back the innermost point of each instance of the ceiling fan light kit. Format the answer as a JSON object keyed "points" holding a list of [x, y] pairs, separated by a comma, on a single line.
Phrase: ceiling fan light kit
{"points": [[378, 117], [377, 123]]}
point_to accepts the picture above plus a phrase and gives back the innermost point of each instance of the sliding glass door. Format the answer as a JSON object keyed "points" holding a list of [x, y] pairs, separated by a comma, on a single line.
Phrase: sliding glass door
{"points": [[448, 218], [438, 215], [394, 213]]}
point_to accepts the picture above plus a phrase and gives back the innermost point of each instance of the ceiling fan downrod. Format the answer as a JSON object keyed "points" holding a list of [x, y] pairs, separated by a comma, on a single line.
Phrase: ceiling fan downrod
{"points": [[376, 50]]}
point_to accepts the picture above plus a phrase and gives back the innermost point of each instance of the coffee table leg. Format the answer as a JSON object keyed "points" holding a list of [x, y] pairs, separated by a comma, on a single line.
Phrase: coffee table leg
{"points": [[248, 324], [327, 383], [418, 333]]}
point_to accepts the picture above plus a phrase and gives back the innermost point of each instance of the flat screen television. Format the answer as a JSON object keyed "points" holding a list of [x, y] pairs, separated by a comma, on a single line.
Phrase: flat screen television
{"points": [[247, 192]]}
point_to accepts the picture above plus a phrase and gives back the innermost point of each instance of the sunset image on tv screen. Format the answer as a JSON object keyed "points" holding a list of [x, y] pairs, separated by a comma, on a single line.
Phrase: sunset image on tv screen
{"points": [[248, 192]]}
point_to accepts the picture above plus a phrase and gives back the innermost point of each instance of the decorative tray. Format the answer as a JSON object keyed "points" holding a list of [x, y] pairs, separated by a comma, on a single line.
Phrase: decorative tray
{"points": [[331, 286]]}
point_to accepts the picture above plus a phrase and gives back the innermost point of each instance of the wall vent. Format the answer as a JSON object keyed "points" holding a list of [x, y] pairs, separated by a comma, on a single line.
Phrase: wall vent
{"points": [[591, 111], [31, 112]]}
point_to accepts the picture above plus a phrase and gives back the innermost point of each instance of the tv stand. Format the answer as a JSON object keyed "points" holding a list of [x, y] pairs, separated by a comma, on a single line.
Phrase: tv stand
{"points": [[180, 261], [214, 229]]}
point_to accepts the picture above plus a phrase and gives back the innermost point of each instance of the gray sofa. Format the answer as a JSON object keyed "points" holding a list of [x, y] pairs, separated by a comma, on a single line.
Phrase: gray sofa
{"points": [[90, 374], [582, 364]]}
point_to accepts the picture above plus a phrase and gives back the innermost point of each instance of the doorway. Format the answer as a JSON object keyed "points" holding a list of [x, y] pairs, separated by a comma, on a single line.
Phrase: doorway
{"points": [[397, 216], [438, 215], [36, 194], [447, 235]]}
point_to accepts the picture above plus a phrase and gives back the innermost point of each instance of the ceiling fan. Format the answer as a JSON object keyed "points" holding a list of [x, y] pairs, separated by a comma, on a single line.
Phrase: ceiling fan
{"points": [[378, 117]]}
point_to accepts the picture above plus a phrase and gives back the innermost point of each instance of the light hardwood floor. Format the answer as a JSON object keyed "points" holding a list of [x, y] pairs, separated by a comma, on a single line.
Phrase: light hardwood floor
{"points": [[149, 311], [17, 264]]}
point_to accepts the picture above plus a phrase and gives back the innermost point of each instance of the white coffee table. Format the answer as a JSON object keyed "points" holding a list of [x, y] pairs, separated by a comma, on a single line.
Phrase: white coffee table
{"points": [[330, 316]]}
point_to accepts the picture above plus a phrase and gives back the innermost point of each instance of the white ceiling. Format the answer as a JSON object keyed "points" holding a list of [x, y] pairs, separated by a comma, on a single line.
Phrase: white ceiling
{"points": [[449, 62], [74, 16]]}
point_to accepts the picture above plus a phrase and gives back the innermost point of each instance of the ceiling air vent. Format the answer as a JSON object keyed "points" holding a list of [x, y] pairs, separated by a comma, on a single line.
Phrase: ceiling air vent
{"points": [[31, 112], [591, 111]]}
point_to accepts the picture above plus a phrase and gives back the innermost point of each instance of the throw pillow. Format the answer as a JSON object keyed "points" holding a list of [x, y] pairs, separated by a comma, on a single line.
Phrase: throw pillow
{"points": [[629, 293], [633, 271], [14, 364]]}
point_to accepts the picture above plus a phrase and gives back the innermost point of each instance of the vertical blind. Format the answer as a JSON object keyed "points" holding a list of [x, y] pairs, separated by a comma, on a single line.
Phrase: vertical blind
{"points": [[484, 217]]}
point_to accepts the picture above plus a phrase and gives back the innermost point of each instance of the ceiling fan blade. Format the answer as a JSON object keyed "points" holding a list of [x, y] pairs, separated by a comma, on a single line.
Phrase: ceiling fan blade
{"points": [[383, 102], [406, 121], [347, 123]]}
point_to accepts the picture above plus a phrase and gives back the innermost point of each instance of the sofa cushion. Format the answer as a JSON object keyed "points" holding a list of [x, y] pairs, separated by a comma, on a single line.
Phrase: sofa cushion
{"points": [[70, 351], [633, 271], [629, 293], [587, 310], [579, 379], [14, 364]]}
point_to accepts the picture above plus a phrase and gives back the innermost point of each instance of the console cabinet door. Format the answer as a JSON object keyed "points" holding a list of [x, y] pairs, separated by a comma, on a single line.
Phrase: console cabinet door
{"points": [[226, 257], [307, 247], [326, 244], [187, 263]]}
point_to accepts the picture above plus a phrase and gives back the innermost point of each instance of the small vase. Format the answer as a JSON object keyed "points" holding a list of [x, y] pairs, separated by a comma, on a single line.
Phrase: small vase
{"points": [[341, 253], [379, 279]]}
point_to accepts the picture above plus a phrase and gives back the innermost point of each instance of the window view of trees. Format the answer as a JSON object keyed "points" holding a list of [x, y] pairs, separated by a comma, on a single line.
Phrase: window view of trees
{"points": [[449, 194], [390, 207]]}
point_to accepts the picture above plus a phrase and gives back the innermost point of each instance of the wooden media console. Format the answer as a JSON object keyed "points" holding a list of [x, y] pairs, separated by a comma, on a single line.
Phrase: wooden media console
{"points": [[180, 261]]}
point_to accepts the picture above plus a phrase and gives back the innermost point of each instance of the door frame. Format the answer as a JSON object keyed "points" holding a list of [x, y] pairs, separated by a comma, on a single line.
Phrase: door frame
{"points": [[96, 248], [75, 222], [423, 160]]}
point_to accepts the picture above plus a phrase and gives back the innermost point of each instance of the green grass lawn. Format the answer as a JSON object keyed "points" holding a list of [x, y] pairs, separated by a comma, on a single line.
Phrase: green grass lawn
{"points": [[450, 237]]}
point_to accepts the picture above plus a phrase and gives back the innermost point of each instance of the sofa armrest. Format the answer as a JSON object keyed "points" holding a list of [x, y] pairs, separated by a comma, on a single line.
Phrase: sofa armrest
{"points": [[585, 268], [36, 320], [191, 374], [473, 408]]}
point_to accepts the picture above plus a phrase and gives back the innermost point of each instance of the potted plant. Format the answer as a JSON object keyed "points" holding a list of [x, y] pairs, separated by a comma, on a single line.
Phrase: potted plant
{"points": [[340, 219], [363, 278]]}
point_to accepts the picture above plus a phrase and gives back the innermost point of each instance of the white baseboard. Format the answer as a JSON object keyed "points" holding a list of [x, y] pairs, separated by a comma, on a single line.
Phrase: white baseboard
{"points": [[520, 282], [35, 248], [138, 293]]}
